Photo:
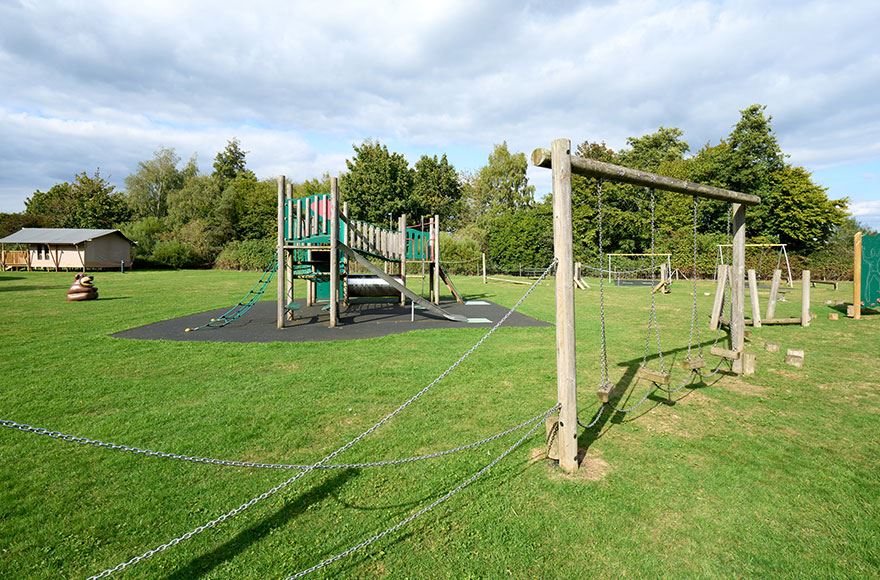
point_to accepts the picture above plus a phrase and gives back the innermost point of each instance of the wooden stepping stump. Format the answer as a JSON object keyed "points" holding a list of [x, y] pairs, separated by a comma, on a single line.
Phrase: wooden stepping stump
{"points": [[724, 353], [604, 392], [656, 377], [833, 316], [771, 347], [795, 358]]}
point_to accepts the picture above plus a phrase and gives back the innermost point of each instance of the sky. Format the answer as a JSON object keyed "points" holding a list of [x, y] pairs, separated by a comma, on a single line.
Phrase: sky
{"points": [[97, 84]]}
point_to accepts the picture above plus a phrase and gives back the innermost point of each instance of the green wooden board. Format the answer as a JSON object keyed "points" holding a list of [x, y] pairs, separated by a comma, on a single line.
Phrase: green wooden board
{"points": [[871, 271]]}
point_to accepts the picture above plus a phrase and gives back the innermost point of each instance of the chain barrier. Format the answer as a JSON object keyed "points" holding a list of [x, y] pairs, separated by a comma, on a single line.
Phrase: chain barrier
{"points": [[596, 418], [253, 464], [286, 483], [409, 519]]}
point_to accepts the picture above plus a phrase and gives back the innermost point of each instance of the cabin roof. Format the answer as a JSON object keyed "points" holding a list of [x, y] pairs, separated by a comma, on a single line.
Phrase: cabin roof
{"points": [[57, 236]]}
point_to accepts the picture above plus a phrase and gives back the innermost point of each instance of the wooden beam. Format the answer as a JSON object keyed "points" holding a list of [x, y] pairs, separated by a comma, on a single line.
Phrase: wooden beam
{"points": [[602, 170], [737, 279], [720, 288], [774, 293], [805, 299], [484, 267], [401, 222], [436, 259], [753, 295], [566, 368]]}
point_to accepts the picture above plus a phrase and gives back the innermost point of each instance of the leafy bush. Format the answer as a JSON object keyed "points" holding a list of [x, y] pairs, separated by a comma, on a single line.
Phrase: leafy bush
{"points": [[521, 239], [175, 254], [460, 253], [246, 255]]}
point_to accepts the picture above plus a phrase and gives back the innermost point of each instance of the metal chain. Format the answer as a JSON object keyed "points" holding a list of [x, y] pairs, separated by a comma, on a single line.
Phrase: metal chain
{"points": [[652, 317], [410, 518], [596, 418], [632, 408], [234, 512], [694, 329], [252, 464], [603, 350]]}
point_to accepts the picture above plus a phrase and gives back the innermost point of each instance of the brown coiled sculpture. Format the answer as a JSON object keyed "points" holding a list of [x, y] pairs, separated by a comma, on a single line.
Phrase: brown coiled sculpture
{"points": [[82, 289]]}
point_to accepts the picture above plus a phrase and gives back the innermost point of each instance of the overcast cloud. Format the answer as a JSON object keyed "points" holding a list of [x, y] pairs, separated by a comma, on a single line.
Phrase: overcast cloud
{"points": [[103, 84]]}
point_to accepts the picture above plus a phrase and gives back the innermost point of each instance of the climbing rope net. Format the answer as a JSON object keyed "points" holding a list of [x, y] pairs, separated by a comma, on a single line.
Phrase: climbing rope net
{"points": [[245, 304]]}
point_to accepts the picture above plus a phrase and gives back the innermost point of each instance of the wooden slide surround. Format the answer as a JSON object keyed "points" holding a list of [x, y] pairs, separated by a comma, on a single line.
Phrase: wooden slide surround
{"points": [[373, 269], [448, 281]]}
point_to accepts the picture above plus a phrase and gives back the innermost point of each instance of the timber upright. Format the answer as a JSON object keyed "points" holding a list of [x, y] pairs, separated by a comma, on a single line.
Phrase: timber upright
{"points": [[318, 244]]}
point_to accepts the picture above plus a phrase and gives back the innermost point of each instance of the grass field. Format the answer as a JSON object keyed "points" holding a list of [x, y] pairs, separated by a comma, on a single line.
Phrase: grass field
{"points": [[777, 474]]}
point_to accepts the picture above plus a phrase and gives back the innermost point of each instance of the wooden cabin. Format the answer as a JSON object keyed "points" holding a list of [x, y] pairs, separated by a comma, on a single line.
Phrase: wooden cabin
{"points": [[65, 248]]}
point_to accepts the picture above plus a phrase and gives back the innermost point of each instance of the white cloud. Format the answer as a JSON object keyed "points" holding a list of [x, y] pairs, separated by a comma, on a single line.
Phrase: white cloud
{"points": [[105, 83]]}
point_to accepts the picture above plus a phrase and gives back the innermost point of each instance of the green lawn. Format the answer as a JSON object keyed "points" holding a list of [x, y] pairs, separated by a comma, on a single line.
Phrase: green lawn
{"points": [[776, 474]]}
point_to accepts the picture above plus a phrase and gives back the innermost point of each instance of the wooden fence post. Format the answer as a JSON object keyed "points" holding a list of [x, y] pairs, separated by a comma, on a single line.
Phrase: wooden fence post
{"points": [[566, 371], [484, 268], [720, 289], [437, 259], [402, 222], [774, 294]]}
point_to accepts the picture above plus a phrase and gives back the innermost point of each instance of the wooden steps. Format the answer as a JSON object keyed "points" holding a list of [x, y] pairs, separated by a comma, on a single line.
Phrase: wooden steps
{"points": [[656, 377]]}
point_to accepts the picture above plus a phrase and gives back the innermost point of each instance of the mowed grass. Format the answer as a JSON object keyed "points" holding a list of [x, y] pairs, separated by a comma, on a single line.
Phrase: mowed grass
{"points": [[771, 475]]}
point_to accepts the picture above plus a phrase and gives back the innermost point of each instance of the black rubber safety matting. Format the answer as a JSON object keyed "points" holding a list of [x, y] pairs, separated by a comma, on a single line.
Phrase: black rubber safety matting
{"points": [[358, 321]]}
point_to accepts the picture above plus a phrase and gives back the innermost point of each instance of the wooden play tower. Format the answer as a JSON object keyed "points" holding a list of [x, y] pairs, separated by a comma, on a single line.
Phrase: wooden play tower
{"points": [[318, 244]]}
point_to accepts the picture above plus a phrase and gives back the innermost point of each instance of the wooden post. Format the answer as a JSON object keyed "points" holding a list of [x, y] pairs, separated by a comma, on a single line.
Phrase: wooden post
{"points": [[334, 251], [484, 268], [720, 288], [774, 293], [402, 249], [436, 259], [753, 294], [345, 240], [737, 273], [280, 256], [805, 299], [566, 370], [857, 276], [288, 254]]}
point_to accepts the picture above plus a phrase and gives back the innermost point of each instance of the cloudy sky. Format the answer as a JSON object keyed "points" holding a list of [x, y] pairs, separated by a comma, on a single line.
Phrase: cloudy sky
{"points": [[103, 84]]}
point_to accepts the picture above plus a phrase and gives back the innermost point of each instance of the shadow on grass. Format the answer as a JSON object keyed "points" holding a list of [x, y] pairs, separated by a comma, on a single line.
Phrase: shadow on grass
{"points": [[622, 395], [244, 539], [8, 278]]}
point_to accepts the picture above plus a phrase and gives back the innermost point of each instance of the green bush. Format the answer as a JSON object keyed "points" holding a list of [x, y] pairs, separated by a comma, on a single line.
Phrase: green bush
{"points": [[246, 255], [175, 254], [460, 253], [521, 239]]}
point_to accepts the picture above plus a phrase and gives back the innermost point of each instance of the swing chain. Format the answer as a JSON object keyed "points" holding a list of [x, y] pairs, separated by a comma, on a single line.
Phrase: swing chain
{"points": [[652, 317], [603, 351]]}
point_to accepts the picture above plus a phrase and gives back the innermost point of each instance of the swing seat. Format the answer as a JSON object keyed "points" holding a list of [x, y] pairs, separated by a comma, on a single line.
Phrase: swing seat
{"points": [[693, 364], [656, 377], [293, 306], [724, 353]]}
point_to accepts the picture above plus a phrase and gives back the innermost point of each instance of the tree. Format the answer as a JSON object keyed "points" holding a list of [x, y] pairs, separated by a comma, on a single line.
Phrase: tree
{"points": [[12, 222], [502, 184], [88, 202], [230, 162], [436, 188], [651, 151], [377, 183], [754, 153], [148, 187]]}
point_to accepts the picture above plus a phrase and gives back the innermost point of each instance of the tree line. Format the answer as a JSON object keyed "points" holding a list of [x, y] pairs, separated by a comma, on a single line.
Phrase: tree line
{"points": [[182, 218]]}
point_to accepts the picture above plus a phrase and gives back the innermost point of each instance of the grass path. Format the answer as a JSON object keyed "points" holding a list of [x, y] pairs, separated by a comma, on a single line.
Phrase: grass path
{"points": [[775, 474]]}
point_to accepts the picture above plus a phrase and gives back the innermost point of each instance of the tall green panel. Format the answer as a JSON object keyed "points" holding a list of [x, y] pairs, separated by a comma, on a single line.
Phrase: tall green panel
{"points": [[871, 271]]}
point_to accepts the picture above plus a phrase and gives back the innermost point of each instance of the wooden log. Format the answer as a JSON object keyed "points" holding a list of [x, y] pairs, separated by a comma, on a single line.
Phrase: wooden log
{"points": [[753, 295], [288, 255], [345, 240], [805, 299], [833, 316], [749, 362], [771, 347], [774, 294], [566, 366], [720, 288], [775, 321], [402, 251], [724, 353], [658, 377], [484, 268], [604, 391], [602, 170], [524, 282]]}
